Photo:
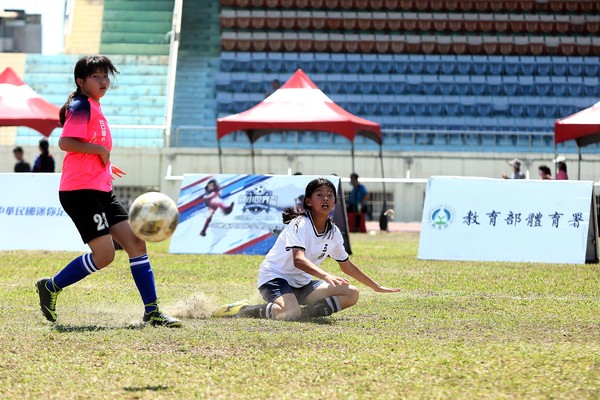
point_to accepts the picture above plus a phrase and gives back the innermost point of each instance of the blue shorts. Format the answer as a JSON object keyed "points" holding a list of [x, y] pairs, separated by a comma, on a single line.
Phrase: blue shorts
{"points": [[278, 287]]}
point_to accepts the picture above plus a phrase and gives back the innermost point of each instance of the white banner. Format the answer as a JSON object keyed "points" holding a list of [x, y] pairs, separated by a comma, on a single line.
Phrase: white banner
{"points": [[481, 219], [31, 217], [236, 213]]}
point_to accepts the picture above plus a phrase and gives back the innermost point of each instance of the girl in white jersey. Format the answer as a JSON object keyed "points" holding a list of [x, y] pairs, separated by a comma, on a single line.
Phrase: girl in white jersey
{"points": [[86, 195], [285, 276]]}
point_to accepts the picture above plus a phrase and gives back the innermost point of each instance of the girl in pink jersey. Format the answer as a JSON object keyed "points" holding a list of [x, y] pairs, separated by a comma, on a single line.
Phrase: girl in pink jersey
{"points": [[86, 194], [285, 275]]}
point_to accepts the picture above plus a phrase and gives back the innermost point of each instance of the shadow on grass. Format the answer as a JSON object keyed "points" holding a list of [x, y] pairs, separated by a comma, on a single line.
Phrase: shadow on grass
{"points": [[154, 388], [94, 328]]}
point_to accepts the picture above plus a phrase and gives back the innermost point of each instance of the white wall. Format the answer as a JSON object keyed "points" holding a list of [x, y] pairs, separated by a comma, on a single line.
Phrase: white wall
{"points": [[148, 167]]}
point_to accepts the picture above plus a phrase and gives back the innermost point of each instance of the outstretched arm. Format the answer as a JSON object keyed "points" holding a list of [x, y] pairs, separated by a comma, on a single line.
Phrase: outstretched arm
{"points": [[303, 263], [349, 268]]}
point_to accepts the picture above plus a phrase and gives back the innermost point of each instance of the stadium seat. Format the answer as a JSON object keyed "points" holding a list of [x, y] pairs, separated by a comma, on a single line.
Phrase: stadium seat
{"points": [[542, 85], [526, 85], [400, 63], [591, 86], [307, 61], [495, 65], [559, 86], [479, 64], [322, 62], [369, 64], [446, 84], [448, 64], [575, 65], [463, 65], [416, 63], [385, 63], [512, 65], [338, 63], [228, 61], [494, 85], [510, 85], [274, 62], [560, 66], [243, 61], [591, 66], [478, 86], [544, 65], [575, 86]]}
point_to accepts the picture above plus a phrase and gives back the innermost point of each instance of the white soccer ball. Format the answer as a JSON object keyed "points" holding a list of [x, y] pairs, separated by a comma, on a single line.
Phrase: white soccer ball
{"points": [[153, 216], [260, 190]]}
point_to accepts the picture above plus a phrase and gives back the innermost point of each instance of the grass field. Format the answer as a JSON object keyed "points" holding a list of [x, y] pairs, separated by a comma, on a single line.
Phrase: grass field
{"points": [[456, 331]]}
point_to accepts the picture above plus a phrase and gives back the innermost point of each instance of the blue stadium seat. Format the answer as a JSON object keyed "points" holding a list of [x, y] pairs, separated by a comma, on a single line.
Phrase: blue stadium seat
{"points": [[510, 85], [322, 62], [223, 82], [517, 109], [575, 65], [432, 64], [483, 106], [386, 63], [414, 83], [533, 107], [404, 105], [335, 84], [243, 61], [429, 84], [526, 85], [452, 105], [542, 85], [259, 62], [560, 87], [387, 105], [239, 81], [354, 63], [480, 64], [512, 65], [591, 66], [416, 63], [463, 65], [351, 84], [591, 86], [228, 61], [468, 105], [225, 102], [255, 83], [291, 61], [494, 85], [400, 63], [448, 64], [369, 62], [436, 105], [528, 65], [495, 65], [462, 85], [338, 63], [307, 61], [560, 65], [354, 104], [399, 83], [544, 65], [446, 84], [478, 86], [371, 104], [275, 62]]}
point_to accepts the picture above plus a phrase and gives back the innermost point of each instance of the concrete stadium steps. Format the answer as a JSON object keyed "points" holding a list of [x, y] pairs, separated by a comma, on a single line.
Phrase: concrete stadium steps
{"points": [[137, 97], [136, 27], [200, 30], [194, 103]]}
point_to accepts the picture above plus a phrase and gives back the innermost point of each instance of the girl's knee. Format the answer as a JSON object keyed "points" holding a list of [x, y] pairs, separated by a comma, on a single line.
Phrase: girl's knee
{"points": [[104, 259], [351, 296]]}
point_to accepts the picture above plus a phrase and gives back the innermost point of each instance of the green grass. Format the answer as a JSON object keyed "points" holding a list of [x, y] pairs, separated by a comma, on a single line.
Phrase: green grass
{"points": [[456, 331]]}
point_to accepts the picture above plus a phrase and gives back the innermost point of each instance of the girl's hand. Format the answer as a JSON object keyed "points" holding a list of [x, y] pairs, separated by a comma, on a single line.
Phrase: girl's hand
{"points": [[383, 289], [116, 171], [335, 280]]}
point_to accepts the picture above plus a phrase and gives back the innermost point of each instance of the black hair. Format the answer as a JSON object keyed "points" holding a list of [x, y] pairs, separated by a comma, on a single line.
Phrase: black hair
{"points": [[214, 182], [85, 67], [562, 166], [289, 213], [545, 169], [18, 149], [44, 146]]}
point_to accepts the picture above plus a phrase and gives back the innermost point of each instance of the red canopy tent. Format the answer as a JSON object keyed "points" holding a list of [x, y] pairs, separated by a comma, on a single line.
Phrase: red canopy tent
{"points": [[22, 106], [583, 127], [298, 105]]}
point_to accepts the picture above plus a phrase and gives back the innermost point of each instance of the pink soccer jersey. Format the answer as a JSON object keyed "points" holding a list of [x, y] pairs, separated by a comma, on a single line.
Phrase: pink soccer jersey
{"points": [[85, 121]]}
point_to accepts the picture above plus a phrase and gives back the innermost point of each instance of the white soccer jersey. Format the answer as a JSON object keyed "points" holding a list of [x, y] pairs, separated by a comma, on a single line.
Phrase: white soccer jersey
{"points": [[300, 233]]}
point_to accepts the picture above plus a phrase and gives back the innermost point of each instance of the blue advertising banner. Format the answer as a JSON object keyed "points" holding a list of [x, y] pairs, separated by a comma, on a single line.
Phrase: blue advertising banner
{"points": [[236, 213], [482, 219]]}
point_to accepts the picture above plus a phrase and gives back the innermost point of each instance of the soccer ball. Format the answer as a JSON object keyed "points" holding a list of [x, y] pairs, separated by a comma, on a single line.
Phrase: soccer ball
{"points": [[153, 216], [260, 190]]}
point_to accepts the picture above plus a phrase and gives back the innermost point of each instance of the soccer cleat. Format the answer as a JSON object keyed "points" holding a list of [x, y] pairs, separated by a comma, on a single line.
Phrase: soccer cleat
{"points": [[230, 310], [47, 299], [157, 318]]}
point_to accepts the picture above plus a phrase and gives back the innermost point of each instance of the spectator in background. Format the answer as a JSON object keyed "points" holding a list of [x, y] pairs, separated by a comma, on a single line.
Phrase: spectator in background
{"points": [[357, 201], [561, 175], [275, 85], [545, 172], [44, 162], [516, 166], [21, 165]]}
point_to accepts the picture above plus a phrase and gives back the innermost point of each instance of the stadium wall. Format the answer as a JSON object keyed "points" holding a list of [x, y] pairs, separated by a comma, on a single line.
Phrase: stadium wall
{"points": [[162, 168]]}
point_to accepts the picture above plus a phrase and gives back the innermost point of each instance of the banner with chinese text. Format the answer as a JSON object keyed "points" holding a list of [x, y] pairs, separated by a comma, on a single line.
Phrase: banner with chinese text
{"points": [[238, 213], [31, 217], [482, 219]]}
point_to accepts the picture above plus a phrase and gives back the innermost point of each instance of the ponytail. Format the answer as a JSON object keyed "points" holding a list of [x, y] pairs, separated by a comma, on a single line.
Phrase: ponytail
{"points": [[62, 114]]}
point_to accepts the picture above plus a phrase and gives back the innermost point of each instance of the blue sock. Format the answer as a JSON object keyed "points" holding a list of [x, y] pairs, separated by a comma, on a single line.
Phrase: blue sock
{"points": [[75, 271], [144, 280]]}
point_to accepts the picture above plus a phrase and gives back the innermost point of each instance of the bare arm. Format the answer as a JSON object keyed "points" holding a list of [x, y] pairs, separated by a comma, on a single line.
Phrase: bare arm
{"points": [[78, 146], [349, 268], [304, 264]]}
